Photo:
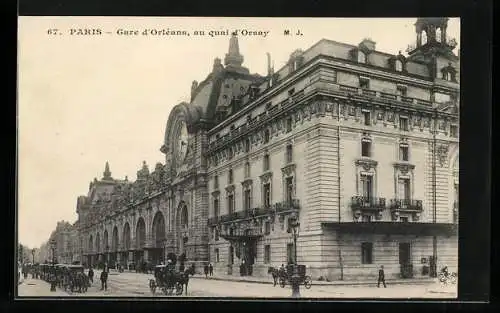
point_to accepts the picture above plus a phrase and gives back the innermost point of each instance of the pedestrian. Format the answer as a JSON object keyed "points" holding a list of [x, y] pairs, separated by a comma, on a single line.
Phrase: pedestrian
{"points": [[211, 269], [381, 277], [205, 270], [91, 275], [104, 280]]}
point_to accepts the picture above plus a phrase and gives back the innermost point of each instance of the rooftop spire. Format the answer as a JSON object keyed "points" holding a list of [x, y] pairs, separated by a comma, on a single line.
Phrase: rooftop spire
{"points": [[233, 57], [107, 172]]}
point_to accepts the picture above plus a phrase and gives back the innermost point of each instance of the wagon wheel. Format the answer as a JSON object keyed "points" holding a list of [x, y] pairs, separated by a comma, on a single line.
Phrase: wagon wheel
{"points": [[308, 282], [282, 282], [178, 289]]}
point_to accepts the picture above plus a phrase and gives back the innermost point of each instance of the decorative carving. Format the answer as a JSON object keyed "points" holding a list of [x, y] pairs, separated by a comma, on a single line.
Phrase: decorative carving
{"points": [[367, 164], [246, 183], [288, 170], [230, 188], [266, 176], [390, 116], [404, 168]]}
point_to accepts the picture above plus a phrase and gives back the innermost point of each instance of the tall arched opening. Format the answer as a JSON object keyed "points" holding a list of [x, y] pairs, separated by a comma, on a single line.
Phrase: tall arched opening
{"points": [[114, 245], [140, 237], [98, 249], [159, 240], [182, 229], [126, 245]]}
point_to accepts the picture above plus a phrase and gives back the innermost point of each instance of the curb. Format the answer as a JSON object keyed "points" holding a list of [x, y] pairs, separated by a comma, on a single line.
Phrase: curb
{"points": [[318, 283]]}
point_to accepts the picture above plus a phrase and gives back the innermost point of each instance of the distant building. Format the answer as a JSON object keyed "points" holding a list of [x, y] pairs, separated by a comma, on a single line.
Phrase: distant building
{"points": [[361, 145]]}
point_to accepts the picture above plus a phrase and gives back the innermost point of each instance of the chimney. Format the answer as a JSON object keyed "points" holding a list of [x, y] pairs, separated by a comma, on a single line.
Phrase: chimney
{"points": [[367, 44], [194, 85]]}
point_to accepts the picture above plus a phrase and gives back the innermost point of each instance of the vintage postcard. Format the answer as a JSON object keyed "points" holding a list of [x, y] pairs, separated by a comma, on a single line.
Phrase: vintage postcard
{"points": [[238, 157]]}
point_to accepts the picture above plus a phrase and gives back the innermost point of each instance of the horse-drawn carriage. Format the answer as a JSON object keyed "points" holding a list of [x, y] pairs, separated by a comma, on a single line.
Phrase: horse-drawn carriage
{"points": [[283, 275], [71, 277], [169, 280]]}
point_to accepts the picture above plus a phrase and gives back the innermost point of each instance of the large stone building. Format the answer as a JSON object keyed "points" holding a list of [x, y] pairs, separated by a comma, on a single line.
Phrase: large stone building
{"points": [[361, 145]]}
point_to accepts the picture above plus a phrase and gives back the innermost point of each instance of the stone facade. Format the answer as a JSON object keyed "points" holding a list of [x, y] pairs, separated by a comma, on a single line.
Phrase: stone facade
{"points": [[361, 145]]}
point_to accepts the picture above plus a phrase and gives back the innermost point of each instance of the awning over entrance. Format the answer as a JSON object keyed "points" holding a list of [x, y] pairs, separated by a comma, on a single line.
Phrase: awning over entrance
{"points": [[240, 237], [395, 228]]}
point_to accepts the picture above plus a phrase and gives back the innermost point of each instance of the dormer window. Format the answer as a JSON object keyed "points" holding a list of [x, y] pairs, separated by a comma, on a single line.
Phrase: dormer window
{"points": [[449, 73], [398, 66], [361, 57]]}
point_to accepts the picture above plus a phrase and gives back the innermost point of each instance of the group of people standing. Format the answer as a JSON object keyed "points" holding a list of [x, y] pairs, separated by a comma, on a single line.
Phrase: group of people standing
{"points": [[208, 269], [104, 277]]}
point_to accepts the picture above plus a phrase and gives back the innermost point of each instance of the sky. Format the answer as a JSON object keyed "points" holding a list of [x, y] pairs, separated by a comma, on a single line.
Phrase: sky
{"points": [[87, 99]]}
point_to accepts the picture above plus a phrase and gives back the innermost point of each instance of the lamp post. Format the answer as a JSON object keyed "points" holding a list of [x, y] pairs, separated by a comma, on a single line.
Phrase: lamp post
{"points": [[294, 225], [33, 255], [53, 280]]}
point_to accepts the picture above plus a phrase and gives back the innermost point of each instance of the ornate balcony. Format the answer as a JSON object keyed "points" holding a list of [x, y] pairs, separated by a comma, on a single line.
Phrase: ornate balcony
{"points": [[398, 206], [275, 209], [367, 206]]}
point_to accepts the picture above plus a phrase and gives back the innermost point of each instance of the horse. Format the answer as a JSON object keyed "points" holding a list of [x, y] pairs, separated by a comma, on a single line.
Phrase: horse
{"points": [[275, 272], [183, 277]]}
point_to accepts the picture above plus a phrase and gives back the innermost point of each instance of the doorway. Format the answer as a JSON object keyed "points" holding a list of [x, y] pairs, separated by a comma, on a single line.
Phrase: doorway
{"points": [[405, 260]]}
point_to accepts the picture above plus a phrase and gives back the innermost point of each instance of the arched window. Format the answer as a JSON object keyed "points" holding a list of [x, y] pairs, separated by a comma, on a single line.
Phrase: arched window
{"points": [[438, 35], [399, 65], [424, 37]]}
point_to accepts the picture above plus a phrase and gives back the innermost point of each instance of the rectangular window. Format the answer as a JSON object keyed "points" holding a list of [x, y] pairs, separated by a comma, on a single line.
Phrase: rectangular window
{"points": [[231, 255], [267, 254], [266, 136], [216, 207], [364, 83], [367, 118], [247, 145], [403, 153], [230, 177], [288, 124], [454, 131], [367, 186], [290, 253], [247, 199], [267, 195], [404, 219], [366, 148], [230, 204], [401, 90], [289, 189], [267, 228], [289, 153], [366, 253], [216, 234], [403, 123], [404, 190], [266, 162], [216, 182], [216, 255]]}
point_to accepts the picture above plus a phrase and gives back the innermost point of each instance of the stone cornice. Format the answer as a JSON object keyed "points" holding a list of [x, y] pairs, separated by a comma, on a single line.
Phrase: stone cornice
{"points": [[288, 169], [404, 167], [246, 182], [266, 176], [367, 164]]}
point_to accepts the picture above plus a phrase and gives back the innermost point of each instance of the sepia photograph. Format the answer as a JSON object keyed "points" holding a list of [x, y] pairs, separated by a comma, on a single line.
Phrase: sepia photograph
{"points": [[224, 157]]}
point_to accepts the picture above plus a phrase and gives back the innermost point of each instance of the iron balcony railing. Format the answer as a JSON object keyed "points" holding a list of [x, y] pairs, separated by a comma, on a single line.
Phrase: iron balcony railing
{"points": [[278, 207], [406, 205], [367, 203]]}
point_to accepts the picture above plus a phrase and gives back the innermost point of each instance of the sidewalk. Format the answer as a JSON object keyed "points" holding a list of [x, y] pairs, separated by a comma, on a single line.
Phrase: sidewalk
{"points": [[38, 288], [269, 280]]}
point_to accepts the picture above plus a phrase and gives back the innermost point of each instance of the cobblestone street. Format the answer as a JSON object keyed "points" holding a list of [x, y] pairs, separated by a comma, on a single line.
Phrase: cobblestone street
{"points": [[136, 285]]}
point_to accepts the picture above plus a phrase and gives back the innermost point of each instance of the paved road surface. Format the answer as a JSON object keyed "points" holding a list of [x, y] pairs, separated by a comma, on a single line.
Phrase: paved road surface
{"points": [[137, 285]]}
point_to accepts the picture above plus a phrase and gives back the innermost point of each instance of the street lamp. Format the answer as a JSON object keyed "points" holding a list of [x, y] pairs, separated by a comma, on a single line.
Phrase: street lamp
{"points": [[294, 224], [53, 280]]}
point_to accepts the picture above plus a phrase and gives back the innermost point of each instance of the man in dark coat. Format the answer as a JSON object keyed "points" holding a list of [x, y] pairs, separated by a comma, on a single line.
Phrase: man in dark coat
{"points": [[205, 270], [91, 275], [381, 277], [211, 269], [104, 279]]}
